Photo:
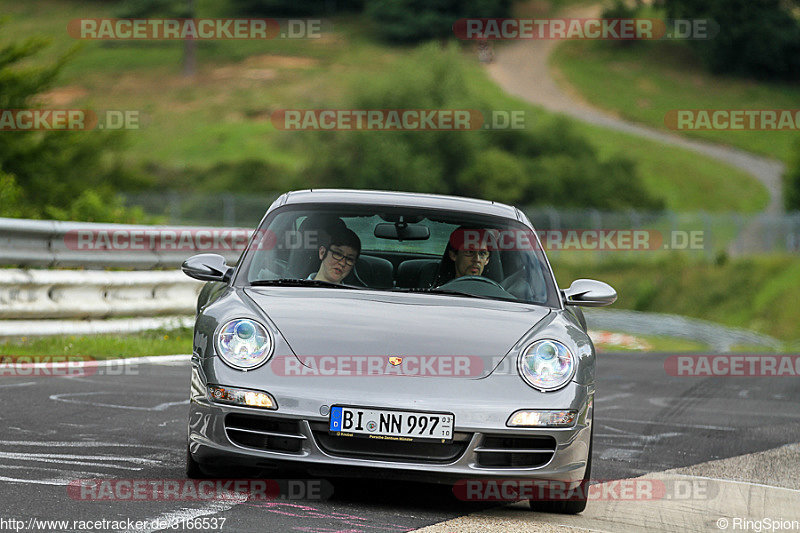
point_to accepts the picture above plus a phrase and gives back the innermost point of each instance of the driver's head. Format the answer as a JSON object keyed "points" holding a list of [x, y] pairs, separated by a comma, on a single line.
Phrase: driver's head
{"points": [[468, 251]]}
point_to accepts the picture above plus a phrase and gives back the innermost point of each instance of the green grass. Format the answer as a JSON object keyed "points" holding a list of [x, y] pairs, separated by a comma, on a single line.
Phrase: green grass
{"points": [[223, 114], [644, 81], [687, 181], [161, 342], [755, 293], [694, 183]]}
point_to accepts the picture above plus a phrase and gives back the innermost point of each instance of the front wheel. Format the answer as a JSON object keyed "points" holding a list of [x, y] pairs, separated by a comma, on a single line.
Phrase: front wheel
{"points": [[572, 506], [193, 470]]}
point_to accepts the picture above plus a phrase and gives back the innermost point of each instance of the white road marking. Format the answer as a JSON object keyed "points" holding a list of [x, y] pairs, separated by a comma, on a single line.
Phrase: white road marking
{"points": [[58, 482], [26, 455], [67, 398], [83, 473], [18, 384], [74, 444], [71, 462], [676, 424]]}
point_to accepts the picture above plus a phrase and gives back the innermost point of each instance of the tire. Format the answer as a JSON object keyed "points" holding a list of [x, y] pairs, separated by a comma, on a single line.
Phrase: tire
{"points": [[572, 506], [193, 470]]}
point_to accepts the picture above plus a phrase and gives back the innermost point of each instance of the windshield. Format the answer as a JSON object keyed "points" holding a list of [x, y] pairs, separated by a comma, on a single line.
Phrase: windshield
{"points": [[399, 249]]}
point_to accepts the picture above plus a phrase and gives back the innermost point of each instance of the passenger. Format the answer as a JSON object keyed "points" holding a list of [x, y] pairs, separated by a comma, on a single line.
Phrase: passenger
{"points": [[467, 254], [338, 255]]}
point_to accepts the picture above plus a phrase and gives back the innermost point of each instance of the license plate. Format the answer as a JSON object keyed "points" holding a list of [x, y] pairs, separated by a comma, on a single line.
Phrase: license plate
{"points": [[391, 425]]}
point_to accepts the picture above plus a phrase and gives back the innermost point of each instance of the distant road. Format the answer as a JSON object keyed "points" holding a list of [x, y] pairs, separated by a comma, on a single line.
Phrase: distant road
{"points": [[521, 68]]}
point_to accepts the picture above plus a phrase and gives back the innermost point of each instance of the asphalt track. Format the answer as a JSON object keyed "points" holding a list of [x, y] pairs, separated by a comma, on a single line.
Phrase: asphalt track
{"points": [[130, 423]]}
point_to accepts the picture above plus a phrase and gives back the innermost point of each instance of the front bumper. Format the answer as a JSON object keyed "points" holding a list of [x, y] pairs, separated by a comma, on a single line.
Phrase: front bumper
{"points": [[481, 411]]}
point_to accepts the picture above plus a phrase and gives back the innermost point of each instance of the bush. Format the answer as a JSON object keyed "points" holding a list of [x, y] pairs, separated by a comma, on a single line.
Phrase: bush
{"points": [[546, 163], [48, 173], [791, 184], [620, 9], [10, 197], [293, 8], [758, 38], [409, 21]]}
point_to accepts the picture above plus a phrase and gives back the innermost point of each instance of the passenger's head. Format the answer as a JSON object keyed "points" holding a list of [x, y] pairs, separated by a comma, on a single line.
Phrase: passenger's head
{"points": [[338, 254], [467, 254]]}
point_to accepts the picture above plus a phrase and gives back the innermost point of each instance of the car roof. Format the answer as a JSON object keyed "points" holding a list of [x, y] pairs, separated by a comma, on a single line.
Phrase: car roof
{"points": [[391, 198]]}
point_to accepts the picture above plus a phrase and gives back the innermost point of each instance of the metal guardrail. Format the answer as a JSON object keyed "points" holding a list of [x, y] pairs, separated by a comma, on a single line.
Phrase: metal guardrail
{"points": [[37, 294], [48, 243]]}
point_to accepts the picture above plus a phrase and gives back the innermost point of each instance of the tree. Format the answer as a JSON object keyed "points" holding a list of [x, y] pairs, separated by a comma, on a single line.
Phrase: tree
{"points": [[757, 38], [293, 8], [409, 21], [167, 9], [791, 184], [548, 162], [55, 174]]}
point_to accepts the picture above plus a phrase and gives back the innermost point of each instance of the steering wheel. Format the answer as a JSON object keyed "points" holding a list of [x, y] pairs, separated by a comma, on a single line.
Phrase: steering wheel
{"points": [[467, 280], [473, 278]]}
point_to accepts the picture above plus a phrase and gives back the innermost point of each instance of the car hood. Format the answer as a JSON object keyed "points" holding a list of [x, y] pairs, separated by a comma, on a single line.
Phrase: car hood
{"points": [[328, 322]]}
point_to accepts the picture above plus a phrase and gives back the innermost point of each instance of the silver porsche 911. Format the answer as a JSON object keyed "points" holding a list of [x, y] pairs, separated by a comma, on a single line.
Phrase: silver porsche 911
{"points": [[414, 336]]}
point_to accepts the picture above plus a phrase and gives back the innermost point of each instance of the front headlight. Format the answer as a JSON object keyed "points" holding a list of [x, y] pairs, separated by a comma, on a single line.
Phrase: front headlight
{"points": [[244, 344], [546, 365]]}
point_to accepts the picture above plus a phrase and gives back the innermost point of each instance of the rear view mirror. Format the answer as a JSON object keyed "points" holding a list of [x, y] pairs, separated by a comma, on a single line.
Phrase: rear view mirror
{"points": [[590, 293], [401, 231]]}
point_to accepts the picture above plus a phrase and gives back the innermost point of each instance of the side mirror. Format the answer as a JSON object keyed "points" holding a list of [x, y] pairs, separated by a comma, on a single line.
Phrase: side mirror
{"points": [[590, 293], [207, 267]]}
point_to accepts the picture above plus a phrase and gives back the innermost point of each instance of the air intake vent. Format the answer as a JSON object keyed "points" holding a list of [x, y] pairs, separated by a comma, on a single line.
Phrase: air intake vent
{"points": [[265, 433], [503, 451]]}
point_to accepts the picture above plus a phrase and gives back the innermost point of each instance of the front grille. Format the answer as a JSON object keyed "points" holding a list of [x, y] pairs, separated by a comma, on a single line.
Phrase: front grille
{"points": [[267, 433], [503, 451], [390, 450]]}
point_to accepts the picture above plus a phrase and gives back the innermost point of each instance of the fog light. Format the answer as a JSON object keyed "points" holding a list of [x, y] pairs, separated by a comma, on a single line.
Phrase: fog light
{"points": [[246, 398], [542, 419]]}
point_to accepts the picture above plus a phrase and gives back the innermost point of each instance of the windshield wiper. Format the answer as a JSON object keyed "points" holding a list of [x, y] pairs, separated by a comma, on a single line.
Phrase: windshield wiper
{"points": [[294, 282]]}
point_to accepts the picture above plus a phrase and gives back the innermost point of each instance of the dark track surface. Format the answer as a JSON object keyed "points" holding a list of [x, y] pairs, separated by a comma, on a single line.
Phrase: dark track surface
{"points": [[133, 426]]}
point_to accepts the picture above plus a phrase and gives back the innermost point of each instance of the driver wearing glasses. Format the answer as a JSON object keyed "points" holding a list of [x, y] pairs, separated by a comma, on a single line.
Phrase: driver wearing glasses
{"points": [[469, 262], [338, 257], [467, 254]]}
